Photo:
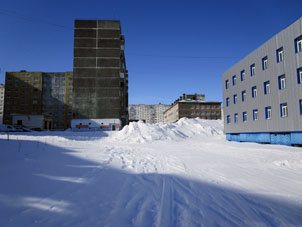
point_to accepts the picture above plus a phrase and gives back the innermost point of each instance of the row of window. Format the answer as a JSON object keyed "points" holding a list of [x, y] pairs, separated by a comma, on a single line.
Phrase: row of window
{"points": [[266, 86], [279, 57], [268, 113]]}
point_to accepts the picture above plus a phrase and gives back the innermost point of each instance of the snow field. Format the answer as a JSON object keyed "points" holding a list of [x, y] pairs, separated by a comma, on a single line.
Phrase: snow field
{"points": [[182, 174]]}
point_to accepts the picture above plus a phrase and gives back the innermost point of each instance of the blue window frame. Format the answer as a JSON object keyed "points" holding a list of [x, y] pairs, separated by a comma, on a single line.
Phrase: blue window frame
{"points": [[252, 69], [300, 105], [255, 114], [264, 63], [236, 118], [244, 116], [254, 92], [227, 101], [234, 80], [282, 82], [235, 98], [283, 110], [268, 112], [298, 44], [228, 119], [227, 84], [280, 54], [299, 74], [242, 75], [243, 96], [267, 88]]}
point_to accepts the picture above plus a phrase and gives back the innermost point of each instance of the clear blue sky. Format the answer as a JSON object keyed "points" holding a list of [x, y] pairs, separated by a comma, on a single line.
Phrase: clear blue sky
{"points": [[172, 47]]}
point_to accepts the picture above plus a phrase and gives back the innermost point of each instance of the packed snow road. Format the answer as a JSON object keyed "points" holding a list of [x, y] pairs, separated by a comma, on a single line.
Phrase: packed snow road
{"points": [[182, 174]]}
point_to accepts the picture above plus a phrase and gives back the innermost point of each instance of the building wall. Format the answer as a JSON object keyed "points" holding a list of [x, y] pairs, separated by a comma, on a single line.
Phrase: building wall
{"points": [[290, 95], [148, 113], [203, 110], [172, 114], [2, 90], [100, 74], [57, 98], [23, 94], [39, 93]]}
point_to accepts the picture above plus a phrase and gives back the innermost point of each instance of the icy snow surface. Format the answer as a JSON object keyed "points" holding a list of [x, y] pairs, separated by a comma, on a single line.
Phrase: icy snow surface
{"points": [[181, 174]]}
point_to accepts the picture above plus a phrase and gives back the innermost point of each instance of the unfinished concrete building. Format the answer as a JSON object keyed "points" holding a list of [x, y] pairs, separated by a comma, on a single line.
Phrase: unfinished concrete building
{"points": [[100, 89]]}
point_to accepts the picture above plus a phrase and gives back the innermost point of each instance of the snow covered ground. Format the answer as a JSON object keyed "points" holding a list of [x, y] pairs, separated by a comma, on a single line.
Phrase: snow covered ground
{"points": [[182, 174]]}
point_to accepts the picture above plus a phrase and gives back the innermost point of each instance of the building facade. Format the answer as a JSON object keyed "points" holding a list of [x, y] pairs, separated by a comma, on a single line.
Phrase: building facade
{"points": [[39, 93], [2, 90], [100, 86], [192, 106], [148, 113], [263, 92]]}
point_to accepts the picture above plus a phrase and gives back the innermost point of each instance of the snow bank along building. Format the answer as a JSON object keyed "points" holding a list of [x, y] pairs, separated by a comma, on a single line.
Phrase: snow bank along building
{"points": [[35, 99], [2, 89], [192, 106], [263, 92], [100, 89], [147, 113]]}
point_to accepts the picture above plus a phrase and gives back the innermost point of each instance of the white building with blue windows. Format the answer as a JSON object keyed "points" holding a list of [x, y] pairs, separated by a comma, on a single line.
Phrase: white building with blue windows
{"points": [[263, 92]]}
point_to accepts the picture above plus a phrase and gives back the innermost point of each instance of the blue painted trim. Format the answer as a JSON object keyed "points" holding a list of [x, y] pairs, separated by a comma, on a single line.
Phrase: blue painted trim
{"points": [[282, 138]]}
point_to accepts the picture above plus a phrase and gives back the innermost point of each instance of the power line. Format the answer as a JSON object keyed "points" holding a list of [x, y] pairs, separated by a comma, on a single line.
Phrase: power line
{"points": [[181, 56]]}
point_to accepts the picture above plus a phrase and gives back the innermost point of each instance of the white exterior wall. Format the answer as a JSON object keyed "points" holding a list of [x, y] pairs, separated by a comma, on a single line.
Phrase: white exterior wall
{"points": [[29, 121], [96, 124]]}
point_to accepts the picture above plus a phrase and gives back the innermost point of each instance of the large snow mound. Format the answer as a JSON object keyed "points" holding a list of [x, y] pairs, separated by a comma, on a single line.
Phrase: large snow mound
{"points": [[140, 132]]}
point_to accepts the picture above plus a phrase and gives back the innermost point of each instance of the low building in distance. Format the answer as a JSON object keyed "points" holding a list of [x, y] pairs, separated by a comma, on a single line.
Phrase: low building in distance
{"points": [[2, 90], [262, 93], [147, 113], [38, 93], [192, 106]]}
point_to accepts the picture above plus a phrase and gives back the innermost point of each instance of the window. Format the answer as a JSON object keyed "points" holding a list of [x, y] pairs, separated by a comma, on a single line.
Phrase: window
{"points": [[252, 68], [282, 82], [300, 105], [299, 72], [280, 55], [255, 115], [268, 112], [36, 78], [242, 75], [264, 63], [243, 96], [70, 101], [70, 90], [228, 119], [267, 88], [69, 96], [227, 101], [234, 80], [70, 84], [298, 44], [254, 92], [227, 84], [244, 116], [283, 110], [236, 118], [235, 99], [35, 101], [36, 84]]}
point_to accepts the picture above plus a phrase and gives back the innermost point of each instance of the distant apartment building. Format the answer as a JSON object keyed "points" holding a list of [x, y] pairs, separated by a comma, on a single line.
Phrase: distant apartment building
{"points": [[39, 93], [100, 88], [148, 113], [2, 90], [192, 106], [263, 92]]}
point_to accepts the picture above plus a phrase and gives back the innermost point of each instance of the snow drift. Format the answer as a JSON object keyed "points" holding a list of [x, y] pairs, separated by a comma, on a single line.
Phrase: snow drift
{"points": [[140, 132]]}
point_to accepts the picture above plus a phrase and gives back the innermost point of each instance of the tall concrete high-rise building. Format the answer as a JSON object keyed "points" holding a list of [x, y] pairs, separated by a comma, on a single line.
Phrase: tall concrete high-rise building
{"points": [[262, 93], [100, 88]]}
